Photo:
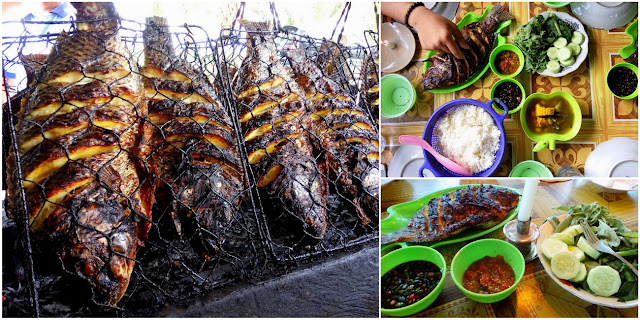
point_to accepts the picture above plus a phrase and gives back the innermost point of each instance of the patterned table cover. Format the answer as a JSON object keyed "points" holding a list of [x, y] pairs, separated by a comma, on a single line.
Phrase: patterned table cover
{"points": [[604, 116]]}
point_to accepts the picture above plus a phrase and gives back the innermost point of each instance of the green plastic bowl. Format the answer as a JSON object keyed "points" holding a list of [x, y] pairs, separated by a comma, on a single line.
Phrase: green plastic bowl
{"points": [[506, 47], [477, 250], [397, 94], [413, 253], [497, 106], [555, 5], [549, 139], [634, 69], [530, 168]]}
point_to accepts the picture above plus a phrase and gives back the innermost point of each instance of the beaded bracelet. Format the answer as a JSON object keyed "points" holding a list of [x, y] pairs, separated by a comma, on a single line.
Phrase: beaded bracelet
{"points": [[413, 6]]}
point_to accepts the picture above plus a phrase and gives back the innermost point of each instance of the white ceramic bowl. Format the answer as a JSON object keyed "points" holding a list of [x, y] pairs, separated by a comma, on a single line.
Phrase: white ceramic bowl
{"points": [[611, 185], [605, 15], [576, 25], [617, 157]]}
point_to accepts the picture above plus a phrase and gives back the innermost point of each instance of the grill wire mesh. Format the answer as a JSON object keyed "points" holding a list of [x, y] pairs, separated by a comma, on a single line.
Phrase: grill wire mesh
{"points": [[259, 243]]}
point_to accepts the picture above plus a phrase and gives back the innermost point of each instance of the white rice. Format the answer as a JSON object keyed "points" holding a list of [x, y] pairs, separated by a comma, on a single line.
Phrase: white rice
{"points": [[469, 136]]}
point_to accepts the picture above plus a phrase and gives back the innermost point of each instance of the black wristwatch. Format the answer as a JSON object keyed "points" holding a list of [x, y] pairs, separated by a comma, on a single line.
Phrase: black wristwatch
{"points": [[413, 7]]}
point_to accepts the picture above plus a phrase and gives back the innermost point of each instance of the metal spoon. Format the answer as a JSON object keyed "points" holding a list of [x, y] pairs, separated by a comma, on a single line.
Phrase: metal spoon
{"points": [[449, 164]]}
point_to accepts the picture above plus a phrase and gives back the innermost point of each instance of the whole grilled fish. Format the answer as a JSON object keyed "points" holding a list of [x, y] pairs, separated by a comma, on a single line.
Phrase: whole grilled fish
{"points": [[370, 85], [447, 70], [275, 125], [76, 134], [472, 207], [344, 137], [192, 147]]}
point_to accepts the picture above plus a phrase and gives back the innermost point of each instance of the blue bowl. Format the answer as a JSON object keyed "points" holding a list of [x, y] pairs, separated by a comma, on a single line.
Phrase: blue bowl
{"points": [[433, 165]]}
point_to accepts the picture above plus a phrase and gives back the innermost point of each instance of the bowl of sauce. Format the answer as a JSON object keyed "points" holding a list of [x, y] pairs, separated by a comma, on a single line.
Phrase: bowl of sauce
{"points": [[622, 80], [506, 61], [487, 270], [411, 279], [511, 92], [547, 118]]}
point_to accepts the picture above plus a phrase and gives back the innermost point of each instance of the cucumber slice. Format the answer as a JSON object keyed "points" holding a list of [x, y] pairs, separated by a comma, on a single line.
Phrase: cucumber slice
{"points": [[564, 237], [579, 253], [550, 247], [560, 43], [582, 274], [552, 53], [565, 265], [577, 38], [553, 66], [564, 53], [587, 248], [574, 230], [604, 281], [575, 49], [568, 62]]}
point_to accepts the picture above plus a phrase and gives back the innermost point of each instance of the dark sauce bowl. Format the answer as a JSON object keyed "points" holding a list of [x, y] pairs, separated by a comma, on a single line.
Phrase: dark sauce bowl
{"points": [[623, 65], [407, 254], [494, 93]]}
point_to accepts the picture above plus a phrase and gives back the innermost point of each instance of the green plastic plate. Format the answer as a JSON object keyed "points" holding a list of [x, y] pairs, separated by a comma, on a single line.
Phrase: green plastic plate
{"points": [[468, 18], [631, 31], [401, 213]]}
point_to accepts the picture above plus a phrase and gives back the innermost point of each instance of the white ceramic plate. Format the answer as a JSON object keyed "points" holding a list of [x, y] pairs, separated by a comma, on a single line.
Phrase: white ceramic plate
{"points": [[616, 157], [445, 9], [406, 162], [546, 230], [611, 185], [576, 25], [397, 45]]}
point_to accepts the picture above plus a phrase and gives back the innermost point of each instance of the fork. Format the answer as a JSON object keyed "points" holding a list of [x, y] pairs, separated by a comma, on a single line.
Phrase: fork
{"points": [[597, 244]]}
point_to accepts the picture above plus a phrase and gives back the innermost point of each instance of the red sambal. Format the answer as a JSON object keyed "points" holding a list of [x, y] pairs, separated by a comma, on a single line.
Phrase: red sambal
{"points": [[488, 275], [507, 62]]}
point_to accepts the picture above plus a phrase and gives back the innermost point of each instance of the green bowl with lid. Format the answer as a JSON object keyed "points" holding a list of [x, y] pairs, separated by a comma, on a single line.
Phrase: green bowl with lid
{"points": [[397, 95], [506, 47], [407, 254], [530, 168]]}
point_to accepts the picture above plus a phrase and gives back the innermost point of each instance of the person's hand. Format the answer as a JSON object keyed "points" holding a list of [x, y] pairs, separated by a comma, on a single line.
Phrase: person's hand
{"points": [[435, 32]]}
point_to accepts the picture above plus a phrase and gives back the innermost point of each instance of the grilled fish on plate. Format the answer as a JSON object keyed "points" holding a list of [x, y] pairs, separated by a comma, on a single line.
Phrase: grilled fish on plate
{"points": [[447, 70], [471, 207], [192, 147], [76, 134]]}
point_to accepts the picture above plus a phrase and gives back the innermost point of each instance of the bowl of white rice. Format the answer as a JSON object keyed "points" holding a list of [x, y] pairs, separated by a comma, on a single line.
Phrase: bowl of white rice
{"points": [[468, 132]]}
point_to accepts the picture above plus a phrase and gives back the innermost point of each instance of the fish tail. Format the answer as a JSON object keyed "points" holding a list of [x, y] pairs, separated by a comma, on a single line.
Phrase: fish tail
{"points": [[99, 16], [256, 25], [497, 15]]}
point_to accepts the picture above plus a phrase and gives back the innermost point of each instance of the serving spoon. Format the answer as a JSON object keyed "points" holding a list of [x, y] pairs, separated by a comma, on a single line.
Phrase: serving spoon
{"points": [[447, 163]]}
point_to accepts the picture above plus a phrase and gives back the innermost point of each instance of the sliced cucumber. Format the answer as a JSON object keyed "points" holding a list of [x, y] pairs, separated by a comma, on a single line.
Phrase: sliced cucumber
{"points": [[568, 62], [587, 248], [579, 253], [590, 265], [564, 53], [574, 230], [565, 265], [604, 281], [582, 274], [577, 38], [550, 247], [575, 49], [564, 237], [552, 53], [560, 43], [553, 66]]}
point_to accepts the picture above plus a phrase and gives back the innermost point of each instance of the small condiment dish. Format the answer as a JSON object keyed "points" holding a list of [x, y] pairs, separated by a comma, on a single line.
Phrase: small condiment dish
{"points": [[493, 95], [498, 50], [477, 250], [413, 253], [397, 95], [635, 71]]}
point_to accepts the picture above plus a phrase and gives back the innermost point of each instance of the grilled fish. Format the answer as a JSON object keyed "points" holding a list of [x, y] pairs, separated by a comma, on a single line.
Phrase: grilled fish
{"points": [[275, 125], [370, 86], [472, 207], [76, 135], [344, 137], [447, 70], [193, 151]]}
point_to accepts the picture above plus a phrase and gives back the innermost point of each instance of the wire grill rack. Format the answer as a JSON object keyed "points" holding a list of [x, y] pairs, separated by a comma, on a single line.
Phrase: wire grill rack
{"points": [[259, 243]]}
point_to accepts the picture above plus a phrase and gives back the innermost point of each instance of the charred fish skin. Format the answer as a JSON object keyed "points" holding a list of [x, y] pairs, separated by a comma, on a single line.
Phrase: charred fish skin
{"points": [[481, 206], [344, 138], [274, 122], [194, 158], [76, 133], [446, 70]]}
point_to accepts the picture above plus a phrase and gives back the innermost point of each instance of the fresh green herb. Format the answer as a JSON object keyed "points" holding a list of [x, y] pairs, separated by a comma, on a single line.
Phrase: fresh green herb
{"points": [[628, 291], [535, 37], [607, 234]]}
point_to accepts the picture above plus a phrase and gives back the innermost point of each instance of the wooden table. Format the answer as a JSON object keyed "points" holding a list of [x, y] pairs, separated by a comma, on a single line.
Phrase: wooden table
{"points": [[604, 116], [537, 295]]}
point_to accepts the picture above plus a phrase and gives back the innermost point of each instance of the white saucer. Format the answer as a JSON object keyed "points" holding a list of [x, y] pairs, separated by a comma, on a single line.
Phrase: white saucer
{"points": [[406, 162], [397, 46], [445, 9]]}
